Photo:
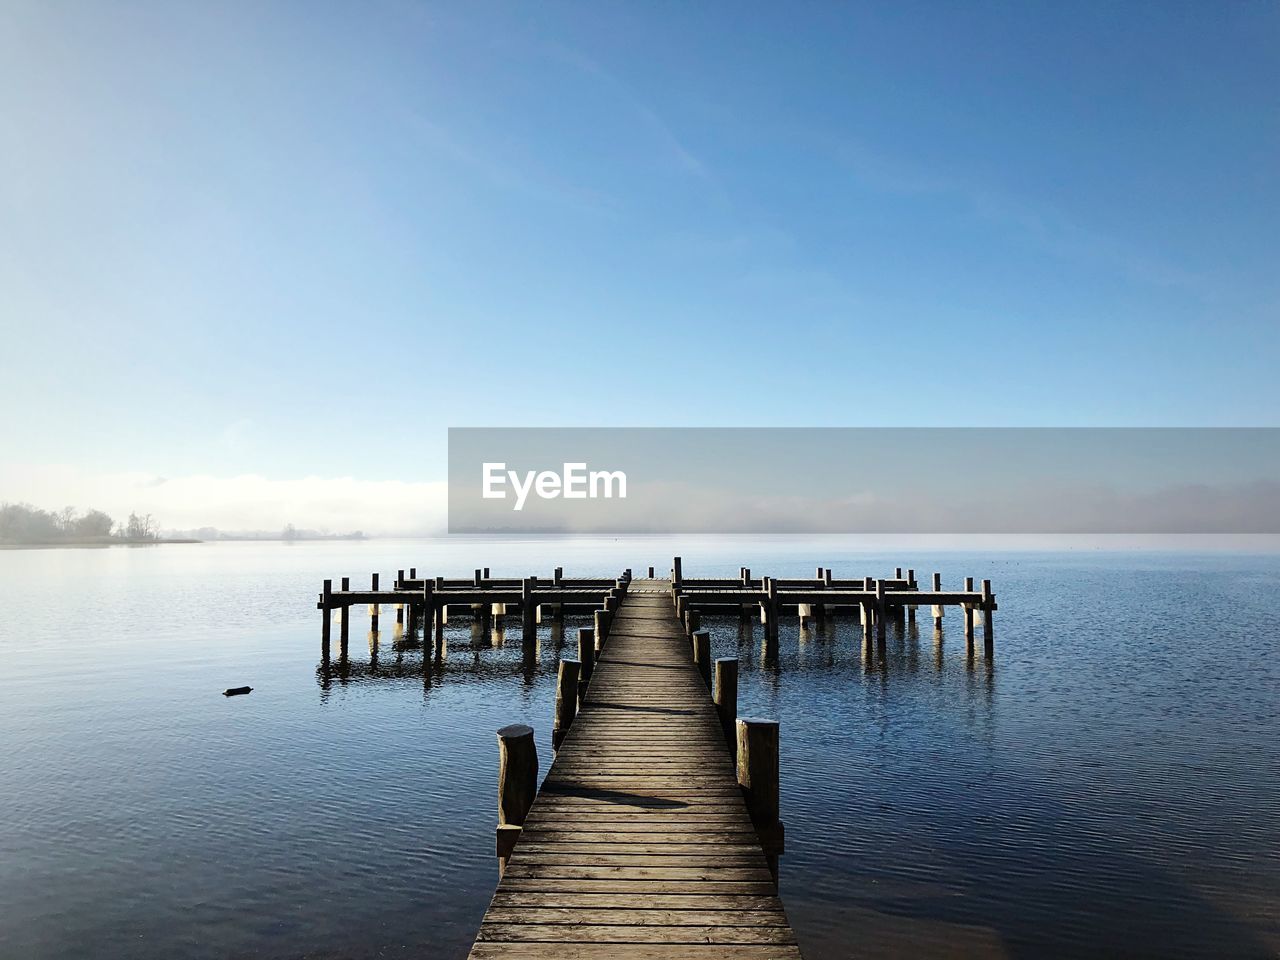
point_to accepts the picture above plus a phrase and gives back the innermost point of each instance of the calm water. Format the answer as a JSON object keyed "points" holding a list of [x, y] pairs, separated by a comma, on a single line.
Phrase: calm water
{"points": [[1109, 787]]}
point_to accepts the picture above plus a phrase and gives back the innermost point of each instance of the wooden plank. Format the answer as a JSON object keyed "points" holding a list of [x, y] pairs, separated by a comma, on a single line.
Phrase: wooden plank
{"points": [[633, 951]]}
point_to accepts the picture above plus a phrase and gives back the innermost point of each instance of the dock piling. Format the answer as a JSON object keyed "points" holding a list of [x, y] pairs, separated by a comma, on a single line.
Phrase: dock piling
{"points": [[988, 628], [517, 785], [702, 655], [587, 659], [566, 700], [726, 700], [757, 765]]}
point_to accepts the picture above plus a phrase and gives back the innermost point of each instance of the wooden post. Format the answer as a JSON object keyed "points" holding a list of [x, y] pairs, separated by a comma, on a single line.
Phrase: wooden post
{"points": [[911, 607], [587, 659], [486, 573], [517, 785], [527, 615], [817, 611], [937, 607], [326, 600], [757, 755], [988, 628], [676, 576], [771, 611], [746, 576], [968, 614], [374, 607], [603, 620], [651, 573], [344, 632], [682, 604], [566, 700], [702, 655], [726, 700], [692, 622], [882, 611], [438, 612]]}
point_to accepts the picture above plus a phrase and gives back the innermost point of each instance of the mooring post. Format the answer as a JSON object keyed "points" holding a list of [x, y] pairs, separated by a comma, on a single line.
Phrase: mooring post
{"points": [[326, 602], [968, 615], [818, 611], [676, 576], [399, 606], [692, 622], [771, 624], [527, 618], [726, 700], [517, 786], [439, 611], [344, 631], [702, 655], [882, 611], [566, 700], [375, 608], [988, 629], [757, 755], [681, 605], [603, 619], [587, 659], [911, 607], [937, 607]]}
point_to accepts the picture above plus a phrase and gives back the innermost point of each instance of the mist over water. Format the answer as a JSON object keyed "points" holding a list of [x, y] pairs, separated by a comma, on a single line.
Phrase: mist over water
{"points": [[1107, 786]]}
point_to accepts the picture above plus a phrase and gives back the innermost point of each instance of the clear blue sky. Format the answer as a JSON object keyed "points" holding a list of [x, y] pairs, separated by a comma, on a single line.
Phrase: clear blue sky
{"points": [[302, 239]]}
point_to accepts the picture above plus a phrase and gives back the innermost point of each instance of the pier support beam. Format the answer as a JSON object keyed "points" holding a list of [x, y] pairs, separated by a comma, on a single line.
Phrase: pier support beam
{"points": [[937, 610]]}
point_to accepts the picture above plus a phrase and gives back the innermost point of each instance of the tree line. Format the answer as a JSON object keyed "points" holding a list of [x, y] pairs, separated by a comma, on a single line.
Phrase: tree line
{"points": [[23, 523]]}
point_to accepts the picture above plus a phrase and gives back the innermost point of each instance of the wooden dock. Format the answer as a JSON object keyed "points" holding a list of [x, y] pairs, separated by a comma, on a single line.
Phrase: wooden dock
{"points": [[639, 845], [656, 834]]}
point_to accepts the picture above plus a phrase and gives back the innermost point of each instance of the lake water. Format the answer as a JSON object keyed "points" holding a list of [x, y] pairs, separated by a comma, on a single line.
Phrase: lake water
{"points": [[1108, 787]]}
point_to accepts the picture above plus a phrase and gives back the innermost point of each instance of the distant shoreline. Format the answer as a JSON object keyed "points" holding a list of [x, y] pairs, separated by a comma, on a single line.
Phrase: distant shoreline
{"points": [[88, 542], [117, 542]]}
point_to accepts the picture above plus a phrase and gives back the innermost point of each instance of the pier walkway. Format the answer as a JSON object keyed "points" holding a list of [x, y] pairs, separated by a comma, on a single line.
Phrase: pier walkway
{"points": [[639, 845]]}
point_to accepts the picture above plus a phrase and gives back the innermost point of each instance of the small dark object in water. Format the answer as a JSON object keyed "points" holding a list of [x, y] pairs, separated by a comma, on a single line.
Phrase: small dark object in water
{"points": [[236, 691]]}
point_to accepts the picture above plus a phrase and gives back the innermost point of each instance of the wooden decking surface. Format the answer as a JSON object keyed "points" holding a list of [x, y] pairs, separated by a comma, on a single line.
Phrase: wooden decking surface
{"points": [[639, 845]]}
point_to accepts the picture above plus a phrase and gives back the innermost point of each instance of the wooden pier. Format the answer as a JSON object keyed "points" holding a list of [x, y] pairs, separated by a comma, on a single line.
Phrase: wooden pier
{"points": [[657, 831], [641, 842]]}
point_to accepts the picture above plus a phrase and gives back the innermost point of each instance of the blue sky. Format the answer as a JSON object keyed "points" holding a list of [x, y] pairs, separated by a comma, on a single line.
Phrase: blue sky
{"points": [[300, 240]]}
